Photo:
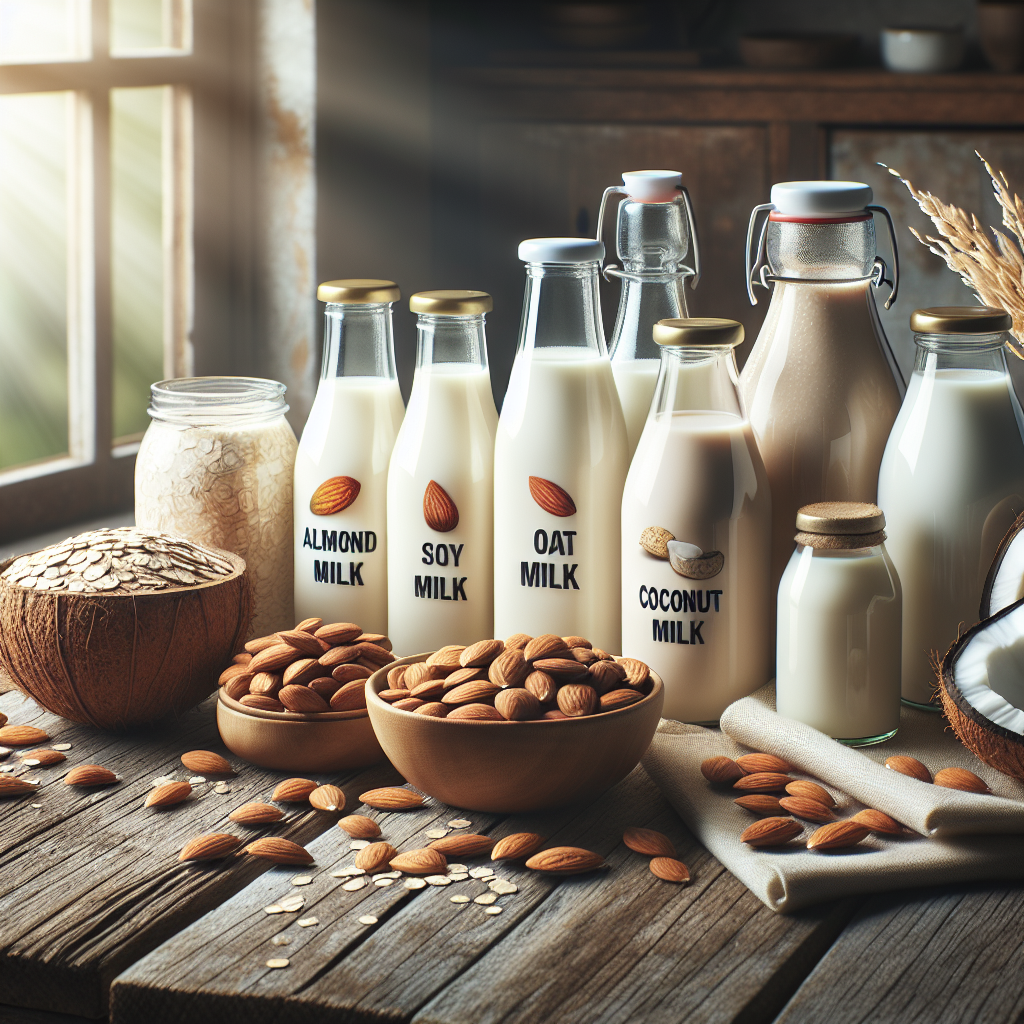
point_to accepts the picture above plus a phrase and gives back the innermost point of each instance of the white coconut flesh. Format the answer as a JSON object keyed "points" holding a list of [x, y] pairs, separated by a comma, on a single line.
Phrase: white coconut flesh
{"points": [[682, 550], [989, 671], [1008, 579]]}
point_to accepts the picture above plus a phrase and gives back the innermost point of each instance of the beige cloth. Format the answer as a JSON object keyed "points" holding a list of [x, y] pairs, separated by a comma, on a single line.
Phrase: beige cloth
{"points": [[960, 836]]}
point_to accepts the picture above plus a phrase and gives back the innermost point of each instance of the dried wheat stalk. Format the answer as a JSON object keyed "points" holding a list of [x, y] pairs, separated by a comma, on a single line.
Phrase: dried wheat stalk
{"points": [[993, 270]]}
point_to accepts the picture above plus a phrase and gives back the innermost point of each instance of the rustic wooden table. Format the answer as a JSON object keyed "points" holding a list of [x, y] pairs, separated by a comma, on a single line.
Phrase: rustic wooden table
{"points": [[98, 919]]}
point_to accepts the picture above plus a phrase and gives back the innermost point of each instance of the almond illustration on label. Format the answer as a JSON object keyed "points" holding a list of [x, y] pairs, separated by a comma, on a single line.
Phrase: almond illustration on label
{"points": [[334, 495], [439, 511], [551, 497]]}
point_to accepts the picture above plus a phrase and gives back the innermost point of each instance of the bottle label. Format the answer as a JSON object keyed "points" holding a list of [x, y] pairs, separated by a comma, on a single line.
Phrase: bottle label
{"points": [[675, 601], [326, 567], [441, 587], [556, 575]]}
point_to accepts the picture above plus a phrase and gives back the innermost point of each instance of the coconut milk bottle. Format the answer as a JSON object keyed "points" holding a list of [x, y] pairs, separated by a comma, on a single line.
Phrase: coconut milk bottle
{"points": [[655, 226], [559, 458], [342, 462], [441, 482], [952, 480], [696, 530]]}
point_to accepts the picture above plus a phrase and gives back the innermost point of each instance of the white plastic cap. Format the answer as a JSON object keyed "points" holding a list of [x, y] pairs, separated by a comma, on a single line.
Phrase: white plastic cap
{"points": [[652, 186], [820, 198], [561, 250]]}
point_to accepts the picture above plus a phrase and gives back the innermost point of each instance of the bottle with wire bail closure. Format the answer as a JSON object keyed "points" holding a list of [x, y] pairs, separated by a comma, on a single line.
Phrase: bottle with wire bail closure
{"points": [[696, 529]]}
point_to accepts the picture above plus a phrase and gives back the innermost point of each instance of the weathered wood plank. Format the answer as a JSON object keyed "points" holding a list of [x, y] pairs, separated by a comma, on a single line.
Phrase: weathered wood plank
{"points": [[953, 955], [90, 881]]}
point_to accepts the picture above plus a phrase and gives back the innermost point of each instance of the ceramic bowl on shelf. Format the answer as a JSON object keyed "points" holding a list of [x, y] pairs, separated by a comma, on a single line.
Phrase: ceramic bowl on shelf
{"points": [[513, 767], [333, 741], [922, 50]]}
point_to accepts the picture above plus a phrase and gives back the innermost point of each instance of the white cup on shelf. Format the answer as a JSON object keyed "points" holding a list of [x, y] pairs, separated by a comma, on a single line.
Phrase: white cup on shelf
{"points": [[922, 50]]}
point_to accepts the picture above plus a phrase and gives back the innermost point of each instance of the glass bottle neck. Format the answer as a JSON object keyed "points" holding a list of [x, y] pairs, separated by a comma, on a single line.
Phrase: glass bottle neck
{"points": [[216, 401], [642, 304], [652, 237], [449, 340], [697, 380], [802, 250], [358, 341], [933, 352], [562, 308]]}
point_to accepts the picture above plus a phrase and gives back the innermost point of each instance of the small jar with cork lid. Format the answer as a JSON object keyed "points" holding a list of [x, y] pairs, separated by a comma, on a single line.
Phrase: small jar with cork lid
{"points": [[840, 616]]}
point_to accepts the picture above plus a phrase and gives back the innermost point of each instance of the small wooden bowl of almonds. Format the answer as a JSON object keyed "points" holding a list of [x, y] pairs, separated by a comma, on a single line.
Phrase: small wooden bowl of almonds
{"points": [[517, 725]]}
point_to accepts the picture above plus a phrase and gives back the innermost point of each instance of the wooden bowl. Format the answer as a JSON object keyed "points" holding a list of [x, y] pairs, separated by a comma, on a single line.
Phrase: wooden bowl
{"points": [[334, 741], [513, 767]]}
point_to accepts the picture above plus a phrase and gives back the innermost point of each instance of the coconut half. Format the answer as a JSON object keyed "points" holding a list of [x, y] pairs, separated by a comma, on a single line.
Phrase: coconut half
{"points": [[1005, 581], [982, 690], [688, 560]]}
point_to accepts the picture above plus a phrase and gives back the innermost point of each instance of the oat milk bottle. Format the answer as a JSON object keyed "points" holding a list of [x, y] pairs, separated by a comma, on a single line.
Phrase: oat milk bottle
{"points": [[952, 480], [441, 482], [696, 530], [820, 385], [655, 226], [342, 463], [559, 458]]}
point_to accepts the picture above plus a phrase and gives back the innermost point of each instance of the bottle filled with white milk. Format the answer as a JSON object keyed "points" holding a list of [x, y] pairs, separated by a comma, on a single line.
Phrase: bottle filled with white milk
{"points": [[560, 458], [441, 482], [655, 228], [341, 466], [696, 530], [952, 480]]}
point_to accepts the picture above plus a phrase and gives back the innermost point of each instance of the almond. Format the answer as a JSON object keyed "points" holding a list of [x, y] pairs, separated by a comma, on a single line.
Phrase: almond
{"points": [[280, 851], [552, 498], [618, 699], [637, 672], [391, 798], [21, 736], [293, 791], [462, 844], [648, 842], [302, 700], [327, 798], [471, 693], [565, 860], [238, 687], [334, 496], [261, 643], [261, 703], [447, 657], [242, 659], [517, 641], [350, 673], [378, 639], [838, 835], [960, 778], [351, 696], [509, 668], [654, 540], [302, 641], [574, 642], [879, 822], [603, 676], [721, 770], [169, 794], [475, 712], [210, 847], [771, 832], [754, 763], [339, 656], [908, 766], [482, 653], [301, 672], [409, 704], [605, 656], [429, 689], [230, 673], [374, 654], [440, 513], [43, 758], [338, 632], [762, 782], [256, 814], [576, 700], [547, 645], [517, 846], [421, 672], [761, 803], [273, 659], [670, 869], [804, 807], [375, 857], [433, 709], [584, 655], [542, 686], [554, 715], [90, 775], [266, 684], [516, 704], [811, 790], [420, 862], [12, 786], [328, 686], [396, 678], [562, 670], [310, 625], [206, 762], [463, 675], [358, 826], [390, 696]]}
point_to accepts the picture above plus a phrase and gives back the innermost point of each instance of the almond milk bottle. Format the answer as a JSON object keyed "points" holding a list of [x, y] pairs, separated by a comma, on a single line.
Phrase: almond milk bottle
{"points": [[696, 530], [342, 463], [559, 458], [441, 482]]}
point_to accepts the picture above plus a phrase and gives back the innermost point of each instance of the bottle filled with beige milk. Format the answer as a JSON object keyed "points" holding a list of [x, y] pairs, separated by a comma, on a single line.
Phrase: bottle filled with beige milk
{"points": [[952, 480], [696, 531], [821, 386], [655, 229], [341, 466], [441, 482], [559, 458], [839, 626]]}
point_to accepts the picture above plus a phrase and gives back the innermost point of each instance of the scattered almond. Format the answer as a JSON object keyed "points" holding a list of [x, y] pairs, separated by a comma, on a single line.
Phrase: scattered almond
{"points": [[753, 763], [810, 790], [879, 822], [169, 794], [327, 798], [256, 814], [761, 803], [721, 770], [960, 778], [358, 826], [420, 862], [21, 736], [517, 846], [838, 835], [210, 847], [89, 775], [909, 766], [648, 842], [375, 857], [670, 869], [206, 762], [762, 782], [293, 791], [465, 844], [809, 810], [280, 851], [771, 832], [11, 786], [565, 860], [43, 758], [391, 798]]}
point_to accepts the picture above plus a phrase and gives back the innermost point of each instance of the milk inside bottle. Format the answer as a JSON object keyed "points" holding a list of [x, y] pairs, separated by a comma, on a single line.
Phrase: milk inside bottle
{"points": [[441, 482], [341, 465], [559, 458], [696, 531], [952, 480], [654, 230]]}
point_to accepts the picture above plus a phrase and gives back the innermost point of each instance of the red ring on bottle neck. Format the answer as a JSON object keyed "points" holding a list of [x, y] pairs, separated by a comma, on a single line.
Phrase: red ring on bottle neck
{"points": [[789, 218]]}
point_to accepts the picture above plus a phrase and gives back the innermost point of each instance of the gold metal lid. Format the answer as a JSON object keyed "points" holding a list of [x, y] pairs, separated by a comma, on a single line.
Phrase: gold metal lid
{"points": [[451, 302], [358, 290], [960, 320], [840, 517], [699, 331]]}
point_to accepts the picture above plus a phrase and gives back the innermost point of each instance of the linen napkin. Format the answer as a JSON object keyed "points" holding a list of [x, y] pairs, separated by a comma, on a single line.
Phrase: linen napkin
{"points": [[955, 836]]}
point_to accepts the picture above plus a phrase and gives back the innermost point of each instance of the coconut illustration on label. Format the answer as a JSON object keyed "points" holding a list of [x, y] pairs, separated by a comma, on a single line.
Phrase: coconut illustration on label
{"points": [[551, 497], [334, 495], [439, 511], [686, 559]]}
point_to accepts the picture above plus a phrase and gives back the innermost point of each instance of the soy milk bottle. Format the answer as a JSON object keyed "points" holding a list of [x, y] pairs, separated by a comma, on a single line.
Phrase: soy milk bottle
{"points": [[342, 462], [559, 458], [441, 482], [696, 530]]}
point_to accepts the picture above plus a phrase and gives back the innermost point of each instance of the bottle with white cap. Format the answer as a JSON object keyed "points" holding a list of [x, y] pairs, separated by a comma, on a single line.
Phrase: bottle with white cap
{"points": [[654, 232], [560, 457], [821, 386]]}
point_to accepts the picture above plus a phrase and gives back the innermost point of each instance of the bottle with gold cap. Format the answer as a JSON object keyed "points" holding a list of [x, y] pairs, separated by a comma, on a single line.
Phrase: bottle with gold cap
{"points": [[697, 529], [342, 463], [951, 481], [441, 482]]}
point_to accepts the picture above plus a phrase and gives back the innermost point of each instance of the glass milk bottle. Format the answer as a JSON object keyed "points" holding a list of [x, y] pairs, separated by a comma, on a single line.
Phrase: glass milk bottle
{"points": [[441, 482], [342, 463], [820, 384], [559, 458], [696, 530], [654, 228], [838, 650], [952, 480]]}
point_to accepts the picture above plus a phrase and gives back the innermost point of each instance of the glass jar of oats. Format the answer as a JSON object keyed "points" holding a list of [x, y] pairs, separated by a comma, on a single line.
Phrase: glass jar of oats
{"points": [[215, 466]]}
